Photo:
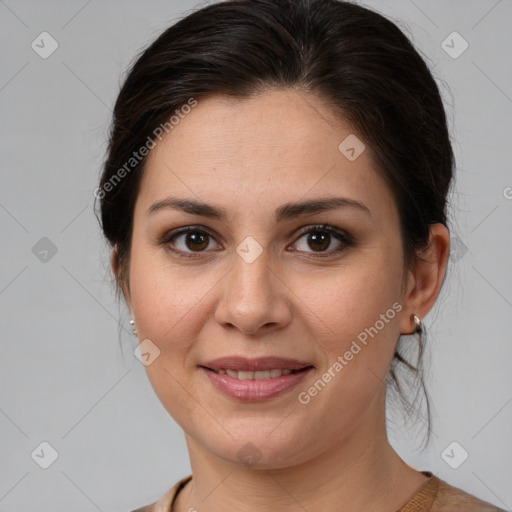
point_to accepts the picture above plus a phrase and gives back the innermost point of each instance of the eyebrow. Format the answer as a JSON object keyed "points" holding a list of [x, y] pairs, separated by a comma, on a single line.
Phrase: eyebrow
{"points": [[284, 212]]}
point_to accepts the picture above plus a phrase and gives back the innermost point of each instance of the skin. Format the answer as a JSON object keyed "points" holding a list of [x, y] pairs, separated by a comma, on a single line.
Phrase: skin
{"points": [[250, 157]]}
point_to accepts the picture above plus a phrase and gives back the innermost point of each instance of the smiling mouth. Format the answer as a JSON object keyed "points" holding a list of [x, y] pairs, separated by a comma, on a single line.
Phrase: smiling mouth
{"points": [[258, 374]]}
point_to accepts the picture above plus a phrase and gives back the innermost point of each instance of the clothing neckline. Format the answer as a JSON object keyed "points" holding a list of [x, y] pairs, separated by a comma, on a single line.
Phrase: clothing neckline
{"points": [[420, 500], [179, 487], [423, 497]]}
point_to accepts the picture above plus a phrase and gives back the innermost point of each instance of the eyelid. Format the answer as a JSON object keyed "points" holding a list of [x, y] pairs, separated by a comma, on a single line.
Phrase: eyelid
{"points": [[323, 227]]}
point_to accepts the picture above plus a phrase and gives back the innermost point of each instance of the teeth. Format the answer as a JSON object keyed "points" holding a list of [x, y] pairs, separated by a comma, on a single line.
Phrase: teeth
{"points": [[257, 375]]}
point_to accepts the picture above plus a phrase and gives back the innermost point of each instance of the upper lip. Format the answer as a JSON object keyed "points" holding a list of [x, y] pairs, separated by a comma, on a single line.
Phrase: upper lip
{"points": [[251, 365]]}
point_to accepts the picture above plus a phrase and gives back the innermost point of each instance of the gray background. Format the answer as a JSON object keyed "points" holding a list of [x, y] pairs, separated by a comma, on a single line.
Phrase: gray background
{"points": [[63, 376]]}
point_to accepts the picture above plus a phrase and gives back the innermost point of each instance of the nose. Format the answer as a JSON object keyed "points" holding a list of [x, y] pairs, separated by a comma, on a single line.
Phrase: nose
{"points": [[253, 298]]}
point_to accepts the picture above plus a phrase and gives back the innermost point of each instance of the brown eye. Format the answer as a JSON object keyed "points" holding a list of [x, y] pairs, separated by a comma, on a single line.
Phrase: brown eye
{"points": [[189, 242], [321, 239], [196, 240]]}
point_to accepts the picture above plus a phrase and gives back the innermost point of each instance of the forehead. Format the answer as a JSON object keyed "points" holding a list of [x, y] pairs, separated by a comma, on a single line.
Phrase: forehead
{"points": [[274, 147]]}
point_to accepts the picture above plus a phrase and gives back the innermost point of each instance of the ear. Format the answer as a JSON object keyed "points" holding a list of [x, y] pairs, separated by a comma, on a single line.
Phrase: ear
{"points": [[114, 263], [426, 278]]}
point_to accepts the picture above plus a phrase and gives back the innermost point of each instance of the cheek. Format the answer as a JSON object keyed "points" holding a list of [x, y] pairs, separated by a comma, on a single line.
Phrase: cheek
{"points": [[168, 310], [351, 301], [356, 329], [169, 303]]}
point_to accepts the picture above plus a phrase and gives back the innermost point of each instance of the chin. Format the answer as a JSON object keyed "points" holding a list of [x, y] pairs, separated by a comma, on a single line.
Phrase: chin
{"points": [[256, 449]]}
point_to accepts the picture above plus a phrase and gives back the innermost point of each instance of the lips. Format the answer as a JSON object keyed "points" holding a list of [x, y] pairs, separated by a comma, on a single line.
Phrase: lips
{"points": [[252, 390], [255, 379], [242, 364]]}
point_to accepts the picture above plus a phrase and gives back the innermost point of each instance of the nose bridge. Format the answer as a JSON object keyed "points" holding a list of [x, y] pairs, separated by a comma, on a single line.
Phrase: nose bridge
{"points": [[252, 296], [251, 286]]}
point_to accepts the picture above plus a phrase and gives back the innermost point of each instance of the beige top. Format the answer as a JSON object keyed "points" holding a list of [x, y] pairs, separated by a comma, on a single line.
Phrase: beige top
{"points": [[434, 495]]}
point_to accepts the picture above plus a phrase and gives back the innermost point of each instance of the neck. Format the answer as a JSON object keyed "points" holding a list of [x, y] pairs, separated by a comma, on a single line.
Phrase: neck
{"points": [[359, 472]]}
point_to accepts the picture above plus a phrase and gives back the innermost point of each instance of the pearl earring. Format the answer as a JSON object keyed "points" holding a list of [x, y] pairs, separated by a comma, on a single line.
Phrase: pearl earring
{"points": [[132, 323]]}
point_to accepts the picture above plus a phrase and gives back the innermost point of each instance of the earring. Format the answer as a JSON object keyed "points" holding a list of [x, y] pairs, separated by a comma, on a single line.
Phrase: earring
{"points": [[132, 323], [418, 327]]}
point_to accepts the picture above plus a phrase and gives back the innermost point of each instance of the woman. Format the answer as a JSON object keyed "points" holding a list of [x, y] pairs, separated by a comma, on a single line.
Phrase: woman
{"points": [[275, 196]]}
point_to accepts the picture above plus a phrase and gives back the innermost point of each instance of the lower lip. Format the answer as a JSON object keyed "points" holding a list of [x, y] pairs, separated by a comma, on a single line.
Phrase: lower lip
{"points": [[255, 390]]}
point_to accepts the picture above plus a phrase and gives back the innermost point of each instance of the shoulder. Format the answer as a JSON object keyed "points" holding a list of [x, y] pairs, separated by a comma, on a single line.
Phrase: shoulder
{"points": [[450, 498], [165, 502]]}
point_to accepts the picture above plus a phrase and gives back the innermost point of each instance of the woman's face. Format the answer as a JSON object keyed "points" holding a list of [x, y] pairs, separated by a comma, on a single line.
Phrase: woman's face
{"points": [[253, 279]]}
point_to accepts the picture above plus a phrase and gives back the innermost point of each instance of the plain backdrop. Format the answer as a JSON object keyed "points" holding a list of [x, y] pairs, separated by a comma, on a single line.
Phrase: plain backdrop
{"points": [[64, 379]]}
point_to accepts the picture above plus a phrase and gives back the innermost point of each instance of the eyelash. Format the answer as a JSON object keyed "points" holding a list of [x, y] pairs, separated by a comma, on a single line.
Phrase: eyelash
{"points": [[343, 237]]}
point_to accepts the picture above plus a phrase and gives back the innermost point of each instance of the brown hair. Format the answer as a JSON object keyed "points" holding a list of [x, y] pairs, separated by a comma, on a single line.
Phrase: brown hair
{"points": [[358, 61]]}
